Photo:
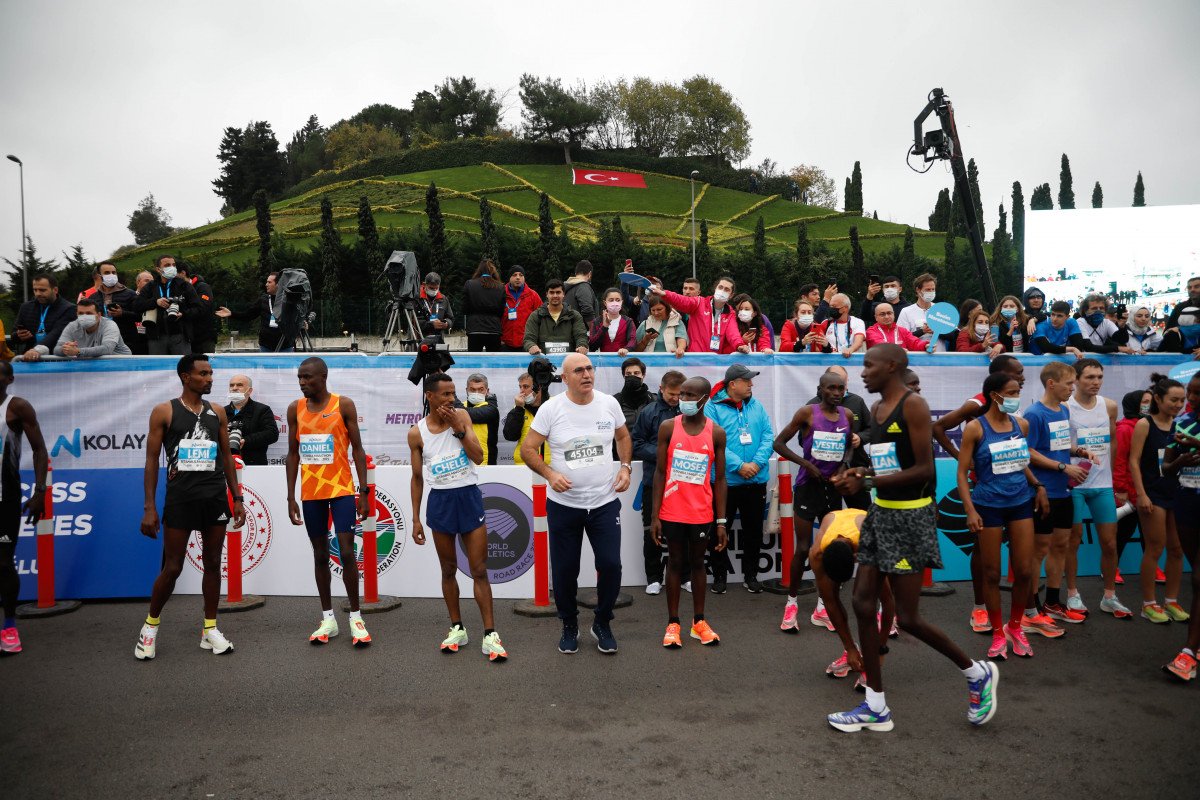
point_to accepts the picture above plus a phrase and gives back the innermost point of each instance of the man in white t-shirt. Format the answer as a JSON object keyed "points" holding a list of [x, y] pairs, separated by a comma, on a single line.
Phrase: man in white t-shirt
{"points": [[581, 426], [912, 317], [846, 334]]}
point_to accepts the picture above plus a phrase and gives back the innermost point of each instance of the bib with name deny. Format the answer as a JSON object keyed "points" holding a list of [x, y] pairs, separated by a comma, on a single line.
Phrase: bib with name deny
{"points": [[585, 451], [689, 467], [828, 446], [1060, 434], [884, 459], [1009, 456], [316, 448], [196, 455], [450, 467]]}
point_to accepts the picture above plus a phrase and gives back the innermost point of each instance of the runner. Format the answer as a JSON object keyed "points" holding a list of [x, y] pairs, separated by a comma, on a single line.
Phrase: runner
{"points": [[826, 444], [899, 540], [323, 427], [21, 421], [689, 483], [195, 434], [1094, 426], [1187, 522], [445, 450], [1157, 483], [995, 448]]}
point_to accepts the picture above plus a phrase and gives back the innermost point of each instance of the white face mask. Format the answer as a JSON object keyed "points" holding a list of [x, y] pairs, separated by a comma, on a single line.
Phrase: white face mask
{"points": [[527, 399], [169, 273], [745, 316], [613, 307], [476, 397], [237, 398], [891, 294], [928, 297], [805, 319], [109, 280], [87, 320], [720, 295], [981, 330]]}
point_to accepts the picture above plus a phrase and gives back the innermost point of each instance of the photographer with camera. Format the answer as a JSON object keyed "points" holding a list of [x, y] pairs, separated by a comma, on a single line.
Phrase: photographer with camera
{"points": [[41, 321], [266, 310], [167, 305], [525, 407], [252, 427], [554, 328]]}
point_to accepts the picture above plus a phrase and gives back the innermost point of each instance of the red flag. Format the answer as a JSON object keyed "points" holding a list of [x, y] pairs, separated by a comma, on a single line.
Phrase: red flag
{"points": [[600, 177]]}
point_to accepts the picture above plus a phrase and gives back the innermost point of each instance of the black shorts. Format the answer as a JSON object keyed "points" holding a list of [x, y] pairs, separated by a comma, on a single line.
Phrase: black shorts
{"points": [[1062, 515], [1000, 516], [197, 514], [814, 499], [687, 532], [10, 517]]}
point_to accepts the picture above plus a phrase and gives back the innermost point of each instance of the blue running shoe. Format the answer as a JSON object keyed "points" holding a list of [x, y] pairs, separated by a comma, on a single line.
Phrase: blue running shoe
{"points": [[605, 641], [982, 694], [862, 717], [569, 641]]}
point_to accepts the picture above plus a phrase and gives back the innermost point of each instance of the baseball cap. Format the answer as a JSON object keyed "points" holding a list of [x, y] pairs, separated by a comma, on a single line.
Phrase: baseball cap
{"points": [[738, 372]]}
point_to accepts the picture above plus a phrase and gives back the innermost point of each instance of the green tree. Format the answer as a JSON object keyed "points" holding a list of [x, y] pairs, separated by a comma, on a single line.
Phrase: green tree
{"points": [[714, 124], [383, 115], [939, 220], [653, 114], [555, 114], [76, 273], [305, 153], [908, 256], [349, 143], [262, 220], [973, 183], [456, 108], [1041, 199], [948, 283], [564, 247], [816, 187], [803, 254], [1018, 228], [703, 252], [487, 230], [250, 160], [760, 242], [371, 255], [1002, 267], [437, 231], [854, 195], [1139, 192], [149, 222], [1066, 189], [1097, 196], [858, 270], [546, 241], [331, 268]]}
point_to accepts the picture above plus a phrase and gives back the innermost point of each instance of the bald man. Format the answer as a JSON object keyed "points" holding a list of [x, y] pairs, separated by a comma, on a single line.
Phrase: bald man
{"points": [[582, 426], [252, 427]]}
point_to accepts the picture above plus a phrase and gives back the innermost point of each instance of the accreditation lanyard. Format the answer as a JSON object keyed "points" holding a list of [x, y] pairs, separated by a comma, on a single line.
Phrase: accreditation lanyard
{"points": [[719, 321], [837, 345], [41, 331], [895, 335]]}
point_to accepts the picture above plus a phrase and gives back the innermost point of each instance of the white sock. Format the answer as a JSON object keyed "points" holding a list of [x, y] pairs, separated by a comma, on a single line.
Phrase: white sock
{"points": [[327, 614], [876, 701], [1169, 600], [1189, 652], [355, 615], [791, 601], [1148, 603], [1072, 593], [981, 606], [820, 604], [1110, 594], [974, 672]]}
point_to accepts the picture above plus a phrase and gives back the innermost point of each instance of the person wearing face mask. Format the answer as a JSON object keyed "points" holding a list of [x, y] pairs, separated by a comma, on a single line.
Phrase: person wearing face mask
{"points": [[252, 427], [750, 334], [886, 331], [845, 334], [645, 449], [1143, 336], [707, 317], [1009, 319], [115, 302], [520, 416], [818, 300], [484, 411], [42, 320], [976, 337], [1100, 334], [90, 335], [167, 306], [612, 331], [802, 333], [912, 317], [434, 314], [634, 394], [891, 294]]}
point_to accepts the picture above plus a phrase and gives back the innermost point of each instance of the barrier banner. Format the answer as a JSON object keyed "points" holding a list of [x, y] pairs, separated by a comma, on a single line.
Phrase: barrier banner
{"points": [[94, 416]]}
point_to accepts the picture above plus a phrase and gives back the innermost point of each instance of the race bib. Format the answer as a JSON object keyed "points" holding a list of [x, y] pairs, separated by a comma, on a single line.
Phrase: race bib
{"points": [[828, 446], [1095, 440], [450, 467], [1189, 477], [688, 467], [316, 448], [196, 455], [554, 348], [884, 459], [1009, 456], [585, 451], [1060, 434]]}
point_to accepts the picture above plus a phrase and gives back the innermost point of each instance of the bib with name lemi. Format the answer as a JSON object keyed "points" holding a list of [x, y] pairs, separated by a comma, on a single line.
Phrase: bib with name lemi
{"points": [[196, 455], [1009, 456], [1060, 434], [585, 451], [828, 446], [450, 467], [884, 459], [689, 467], [316, 448]]}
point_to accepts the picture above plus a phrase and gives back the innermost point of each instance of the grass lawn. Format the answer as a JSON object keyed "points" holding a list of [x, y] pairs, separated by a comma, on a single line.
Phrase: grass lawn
{"points": [[524, 200], [464, 179]]}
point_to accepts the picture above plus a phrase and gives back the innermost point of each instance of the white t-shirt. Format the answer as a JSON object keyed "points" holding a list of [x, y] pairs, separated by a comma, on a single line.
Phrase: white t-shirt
{"points": [[841, 339], [1097, 335], [912, 317], [581, 447]]}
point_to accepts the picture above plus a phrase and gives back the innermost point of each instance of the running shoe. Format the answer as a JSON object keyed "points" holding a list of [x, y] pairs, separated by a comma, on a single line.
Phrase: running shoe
{"points": [[1176, 612], [752, 585], [569, 641], [999, 648], [839, 668], [719, 585], [862, 717], [1119, 580], [142, 651], [1182, 667], [10, 641], [790, 624], [687, 586], [820, 618], [1043, 625], [1111, 605], [456, 638], [981, 695], [605, 641], [703, 631], [493, 648], [326, 631], [980, 623], [213, 639], [894, 631], [358, 633], [1155, 613], [1020, 643], [860, 683], [1058, 611], [1075, 603], [671, 639], [1159, 576], [654, 587]]}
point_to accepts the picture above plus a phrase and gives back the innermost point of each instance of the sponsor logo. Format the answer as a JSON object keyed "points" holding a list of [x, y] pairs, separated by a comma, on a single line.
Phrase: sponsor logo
{"points": [[604, 425], [77, 443], [391, 533], [402, 419], [509, 516], [256, 536]]}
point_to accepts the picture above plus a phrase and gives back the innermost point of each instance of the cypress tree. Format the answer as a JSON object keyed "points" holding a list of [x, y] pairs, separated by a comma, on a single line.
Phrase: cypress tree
{"points": [[262, 218], [487, 230], [848, 200], [564, 247], [703, 253], [858, 269], [1066, 189], [1002, 258], [1139, 192], [939, 220], [1018, 228], [372, 253], [331, 265], [948, 280], [908, 256], [973, 183], [856, 189], [760, 243], [437, 231], [803, 253], [1041, 199], [1097, 196], [546, 237]]}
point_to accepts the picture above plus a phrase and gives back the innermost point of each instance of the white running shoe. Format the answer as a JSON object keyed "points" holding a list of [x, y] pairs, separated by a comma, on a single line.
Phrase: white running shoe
{"points": [[144, 649], [493, 648], [687, 586], [358, 633], [654, 587], [327, 630], [213, 639]]}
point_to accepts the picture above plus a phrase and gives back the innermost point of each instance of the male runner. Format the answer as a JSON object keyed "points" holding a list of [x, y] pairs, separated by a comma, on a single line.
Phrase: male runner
{"points": [[21, 421], [899, 539], [323, 427], [445, 450], [199, 468], [689, 482]]}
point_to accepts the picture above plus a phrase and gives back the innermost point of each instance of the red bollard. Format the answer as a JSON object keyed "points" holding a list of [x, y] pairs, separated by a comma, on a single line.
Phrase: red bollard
{"points": [[46, 605], [371, 601], [540, 605], [234, 599], [932, 588], [787, 532]]}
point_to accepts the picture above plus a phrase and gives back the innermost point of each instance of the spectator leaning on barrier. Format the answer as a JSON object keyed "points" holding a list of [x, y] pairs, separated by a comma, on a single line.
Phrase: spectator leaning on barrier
{"points": [[483, 307], [891, 294], [976, 337], [1143, 336], [1059, 334], [167, 305], [886, 331], [580, 295], [1035, 309], [269, 332], [645, 449], [484, 411], [612, 331], [434, 314], [204, 324], [41, 321], [663, 330], [801, 334], [115, 301], [90, 335], [634, 394], [520, 300], [553, 328], [1100, 334], [912, 316], [252, 427], [1009, 320], [708, 317], [844, 333], [751, 332], [520, 416]]}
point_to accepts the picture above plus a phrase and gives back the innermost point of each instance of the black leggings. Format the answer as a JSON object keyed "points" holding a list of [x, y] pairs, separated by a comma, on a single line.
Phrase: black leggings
{"points": [[10, 581], [1126, 526]]}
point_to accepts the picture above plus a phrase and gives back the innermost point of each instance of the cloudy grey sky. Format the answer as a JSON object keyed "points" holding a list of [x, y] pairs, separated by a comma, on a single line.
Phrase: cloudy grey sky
{"points": [[107, 101]]}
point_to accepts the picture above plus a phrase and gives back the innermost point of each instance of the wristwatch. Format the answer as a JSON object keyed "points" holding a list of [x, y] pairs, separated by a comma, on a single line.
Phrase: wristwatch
{"points": [[460, 435], [627, 466], [868, 482], [1062, 467], [237, 498]]}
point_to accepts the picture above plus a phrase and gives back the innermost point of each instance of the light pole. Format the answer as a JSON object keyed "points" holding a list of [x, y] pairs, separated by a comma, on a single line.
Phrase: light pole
{"points": [[695, 174], [25, 255]]}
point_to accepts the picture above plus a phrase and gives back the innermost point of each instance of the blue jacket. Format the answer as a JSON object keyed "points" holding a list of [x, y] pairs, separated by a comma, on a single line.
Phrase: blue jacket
{"points": [[752, 417], [645, 435]]}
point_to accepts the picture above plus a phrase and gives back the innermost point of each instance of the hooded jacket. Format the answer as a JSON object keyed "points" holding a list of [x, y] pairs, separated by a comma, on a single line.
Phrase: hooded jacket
{"points": [[1042, 313], [750, 416], [580, 296], [700, 320]]}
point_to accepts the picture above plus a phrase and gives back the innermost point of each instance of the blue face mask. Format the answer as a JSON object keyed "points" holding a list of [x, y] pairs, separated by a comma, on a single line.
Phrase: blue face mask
{"points": [[690, 408], [1008, 313], [1095, 318], [1010, 405]]}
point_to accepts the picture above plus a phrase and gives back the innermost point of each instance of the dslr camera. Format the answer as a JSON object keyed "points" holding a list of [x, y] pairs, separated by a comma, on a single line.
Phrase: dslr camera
{"points": [[173, 312], [542, 373]]}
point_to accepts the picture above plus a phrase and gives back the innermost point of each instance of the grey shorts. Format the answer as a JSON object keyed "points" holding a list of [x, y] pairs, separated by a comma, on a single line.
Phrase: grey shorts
{"points": [[900, 541]]}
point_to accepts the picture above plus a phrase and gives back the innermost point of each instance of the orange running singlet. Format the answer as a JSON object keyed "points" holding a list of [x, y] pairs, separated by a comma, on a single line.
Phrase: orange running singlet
{"points": [[324, 448]]}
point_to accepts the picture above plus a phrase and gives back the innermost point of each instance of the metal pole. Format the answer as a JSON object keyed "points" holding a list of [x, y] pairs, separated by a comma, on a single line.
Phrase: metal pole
{"points": [[693, 182], [24, 251]]}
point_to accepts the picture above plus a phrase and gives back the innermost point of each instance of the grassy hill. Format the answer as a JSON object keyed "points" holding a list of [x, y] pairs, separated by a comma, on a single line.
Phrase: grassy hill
{"points": [[656, 216]]}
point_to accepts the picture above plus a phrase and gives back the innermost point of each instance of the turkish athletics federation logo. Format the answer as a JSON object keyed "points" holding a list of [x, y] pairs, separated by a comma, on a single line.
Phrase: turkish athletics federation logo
{"points": [[509, 517], [256, 537], [390, 536]]}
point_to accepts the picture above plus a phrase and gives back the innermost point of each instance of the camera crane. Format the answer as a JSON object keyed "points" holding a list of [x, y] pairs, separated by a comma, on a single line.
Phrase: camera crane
{"points": [[945, 145]]}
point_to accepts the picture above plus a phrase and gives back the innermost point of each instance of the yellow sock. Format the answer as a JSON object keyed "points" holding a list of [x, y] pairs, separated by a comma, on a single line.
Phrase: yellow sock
{"points": [[153, 620], [209, 624]]}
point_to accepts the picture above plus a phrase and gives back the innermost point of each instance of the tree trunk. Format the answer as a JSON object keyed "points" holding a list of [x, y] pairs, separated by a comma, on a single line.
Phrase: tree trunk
{"points": [[567, 151]]}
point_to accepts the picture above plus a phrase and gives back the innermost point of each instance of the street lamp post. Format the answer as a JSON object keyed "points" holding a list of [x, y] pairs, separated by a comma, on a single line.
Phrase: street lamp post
{"points": [[695, 174], [24, 252]]}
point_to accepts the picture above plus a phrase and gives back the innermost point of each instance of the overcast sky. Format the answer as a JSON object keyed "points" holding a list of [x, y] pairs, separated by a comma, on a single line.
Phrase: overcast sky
{"points": [[107, 101]]}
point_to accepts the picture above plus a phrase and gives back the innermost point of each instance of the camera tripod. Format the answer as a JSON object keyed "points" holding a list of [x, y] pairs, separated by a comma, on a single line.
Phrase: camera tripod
{"points": [[402, 319]]}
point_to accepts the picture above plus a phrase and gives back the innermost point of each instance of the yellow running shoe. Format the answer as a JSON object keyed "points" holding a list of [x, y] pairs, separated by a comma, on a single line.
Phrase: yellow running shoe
{"points": [[456, 638], [493, 648], [324, 632]]}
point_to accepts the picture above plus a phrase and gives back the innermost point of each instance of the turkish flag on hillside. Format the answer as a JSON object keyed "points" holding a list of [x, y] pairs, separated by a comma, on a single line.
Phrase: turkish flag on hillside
{"points": [[600, 177]]}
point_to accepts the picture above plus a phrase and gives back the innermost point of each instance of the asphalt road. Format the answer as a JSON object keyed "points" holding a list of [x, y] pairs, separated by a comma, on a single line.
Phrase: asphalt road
{"points": [[1090, 715]]}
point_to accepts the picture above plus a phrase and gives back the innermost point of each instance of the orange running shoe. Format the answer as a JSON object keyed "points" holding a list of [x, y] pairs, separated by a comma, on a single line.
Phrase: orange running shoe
{"points": [[980, 622], [1041, 624], [702, 631], [671, 637], [1182, 667]]}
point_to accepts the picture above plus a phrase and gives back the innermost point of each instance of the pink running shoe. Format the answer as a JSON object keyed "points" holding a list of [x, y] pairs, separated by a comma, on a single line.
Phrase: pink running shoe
{"points": [[860, 683], [10, 642], [790, 624], [999, 648], [820, 618], [1020, 642], [839, 668]]}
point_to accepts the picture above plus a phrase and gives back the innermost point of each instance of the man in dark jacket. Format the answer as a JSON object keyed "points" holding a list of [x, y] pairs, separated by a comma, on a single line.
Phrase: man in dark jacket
{"points": [[204, 326], [520, 416], [580, 295], [174, 306], [115, 301], [484, 410], [634, 395], [269, 332], [554, 328], [434, 314], [645, 449], [41, 320], [252, 427]]}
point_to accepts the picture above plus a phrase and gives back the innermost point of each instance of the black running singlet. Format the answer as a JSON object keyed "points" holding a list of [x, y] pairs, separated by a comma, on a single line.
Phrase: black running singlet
{"points": [[193, 469], [10, 458], [891, 452]]}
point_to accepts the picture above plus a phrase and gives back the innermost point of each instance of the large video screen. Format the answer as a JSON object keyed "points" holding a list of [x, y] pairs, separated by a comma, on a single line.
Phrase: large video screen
{"points": [[1132, 255]]}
